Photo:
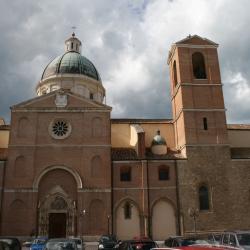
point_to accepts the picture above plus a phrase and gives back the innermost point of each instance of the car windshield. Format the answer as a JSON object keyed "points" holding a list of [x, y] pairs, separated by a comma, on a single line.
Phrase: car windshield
{"points": [[187, 242], [244, 239], [77, 241], [107, 238], [39, 241], [8, 241], [60, 245]]}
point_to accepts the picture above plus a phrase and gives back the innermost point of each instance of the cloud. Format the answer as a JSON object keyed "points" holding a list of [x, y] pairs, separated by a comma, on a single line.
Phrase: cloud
{"points": [[128, 41]]}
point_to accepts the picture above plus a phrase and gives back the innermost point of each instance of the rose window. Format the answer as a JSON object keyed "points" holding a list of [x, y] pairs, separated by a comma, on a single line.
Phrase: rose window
{"points": [[60, 129]]}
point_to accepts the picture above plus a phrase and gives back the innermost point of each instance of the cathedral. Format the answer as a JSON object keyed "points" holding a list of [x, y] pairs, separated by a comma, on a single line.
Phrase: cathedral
{"points": [[68, 169]]}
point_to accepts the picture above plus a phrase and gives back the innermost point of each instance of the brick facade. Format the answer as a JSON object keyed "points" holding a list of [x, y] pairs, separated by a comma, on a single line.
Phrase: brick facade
{"points": [[79, 175]]}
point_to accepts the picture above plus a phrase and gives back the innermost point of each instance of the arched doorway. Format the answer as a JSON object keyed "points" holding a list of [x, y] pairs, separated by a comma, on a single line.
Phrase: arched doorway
{"points": [[127, 220], [57, 199], [163, 220]]}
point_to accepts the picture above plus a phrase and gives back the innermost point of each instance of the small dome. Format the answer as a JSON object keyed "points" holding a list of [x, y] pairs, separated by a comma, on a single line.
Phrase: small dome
{"points": [[71, 62], [159, 145], [158, 139]]}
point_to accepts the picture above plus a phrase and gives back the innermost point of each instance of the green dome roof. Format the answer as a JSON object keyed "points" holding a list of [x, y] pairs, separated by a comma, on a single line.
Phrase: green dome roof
{"points": [[71, 63], [158, 139]]}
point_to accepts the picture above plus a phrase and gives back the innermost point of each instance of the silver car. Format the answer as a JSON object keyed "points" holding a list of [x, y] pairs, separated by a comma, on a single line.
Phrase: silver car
{"points": [[60, 244], [238, 239]]}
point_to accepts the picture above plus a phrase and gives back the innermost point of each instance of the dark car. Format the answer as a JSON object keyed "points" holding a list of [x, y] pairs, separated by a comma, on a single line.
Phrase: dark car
{"points": [[137, 244], [4, 246], [13, 243], [107, 242]]}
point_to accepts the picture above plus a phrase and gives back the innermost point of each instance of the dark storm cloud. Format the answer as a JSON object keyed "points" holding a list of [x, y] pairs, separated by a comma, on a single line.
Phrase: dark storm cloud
{"points": [[128, 41]]}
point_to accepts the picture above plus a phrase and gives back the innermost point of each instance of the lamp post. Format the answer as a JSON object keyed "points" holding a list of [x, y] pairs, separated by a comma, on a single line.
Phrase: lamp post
{"points": [[193, 213], [82, 214], [108, 217]]}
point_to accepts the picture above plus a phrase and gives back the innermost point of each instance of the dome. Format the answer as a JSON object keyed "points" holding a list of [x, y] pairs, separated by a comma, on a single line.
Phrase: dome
{"points": [[71, 62], [74, 72], [159, 145], [158, 139]]}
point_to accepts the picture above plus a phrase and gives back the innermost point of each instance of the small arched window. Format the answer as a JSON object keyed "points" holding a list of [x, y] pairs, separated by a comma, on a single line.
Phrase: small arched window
{"points": [[127, 211], [175, 74], [199, 70], [71, 45], [205, 123], [96, 166], [203, 198]]}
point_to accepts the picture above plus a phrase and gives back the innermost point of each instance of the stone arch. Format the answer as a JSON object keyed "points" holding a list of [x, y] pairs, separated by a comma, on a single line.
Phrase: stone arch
{"points": [[127, 228], [96, 166], [97, 127], [23, 129], [50, 168], [163, 219], [17, 217], [20, 166], [97, 217]]}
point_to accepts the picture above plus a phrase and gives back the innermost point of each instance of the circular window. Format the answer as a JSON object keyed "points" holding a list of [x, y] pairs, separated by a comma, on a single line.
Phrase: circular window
{"points": [[60, 129]]}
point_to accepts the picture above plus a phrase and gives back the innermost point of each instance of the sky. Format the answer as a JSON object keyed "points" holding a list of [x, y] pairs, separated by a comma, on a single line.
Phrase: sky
{"points": [[128, 42]]}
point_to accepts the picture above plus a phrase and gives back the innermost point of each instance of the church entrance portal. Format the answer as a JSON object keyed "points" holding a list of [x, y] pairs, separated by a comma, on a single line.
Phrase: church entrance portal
{"points": [[57, 225]]}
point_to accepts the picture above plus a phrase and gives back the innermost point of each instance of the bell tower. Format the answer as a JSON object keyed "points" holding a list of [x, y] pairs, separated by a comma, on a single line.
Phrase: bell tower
{"points": [[196, 93]]}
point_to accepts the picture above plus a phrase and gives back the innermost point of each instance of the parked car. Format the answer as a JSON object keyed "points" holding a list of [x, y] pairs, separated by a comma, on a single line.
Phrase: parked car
{"points": [[214, 238], [79, 243], [178, 241], [60, 244], [38, 244], [107, 242], [13, 243], [137, 244], [27, 243], [4, 246], [238, 239]]}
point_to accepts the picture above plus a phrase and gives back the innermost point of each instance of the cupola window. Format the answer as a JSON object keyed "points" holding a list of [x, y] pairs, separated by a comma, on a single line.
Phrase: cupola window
{"points": [[72, 45], [199, 70]]}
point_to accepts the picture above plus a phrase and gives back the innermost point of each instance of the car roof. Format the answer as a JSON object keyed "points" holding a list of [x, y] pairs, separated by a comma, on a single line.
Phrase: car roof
{"points": [[238, 232], [138, 241], [60, 239]]}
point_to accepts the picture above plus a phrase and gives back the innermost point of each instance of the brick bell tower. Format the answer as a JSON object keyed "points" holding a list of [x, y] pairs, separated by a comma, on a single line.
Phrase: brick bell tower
{"points": [[196, 93]]}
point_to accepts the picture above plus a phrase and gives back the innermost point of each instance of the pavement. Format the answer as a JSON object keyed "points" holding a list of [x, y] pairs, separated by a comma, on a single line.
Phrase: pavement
{"points": [[91, 245]]}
